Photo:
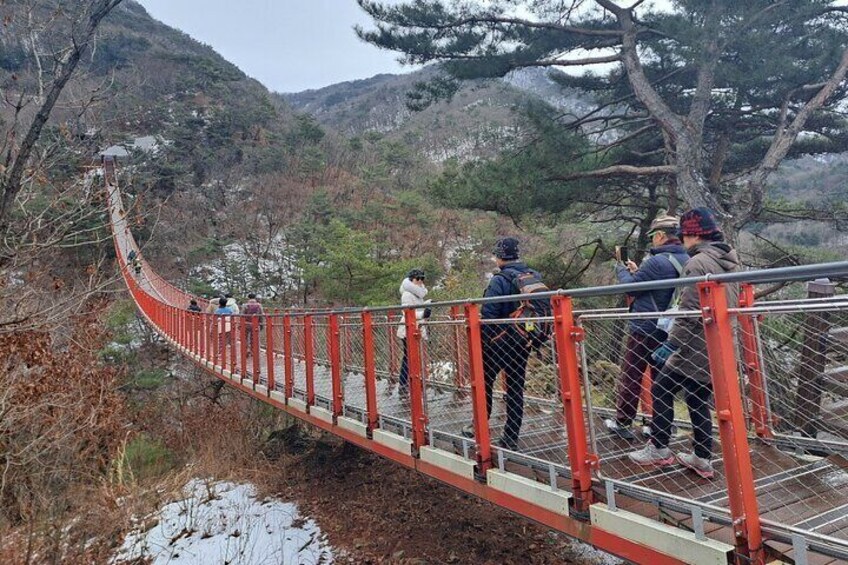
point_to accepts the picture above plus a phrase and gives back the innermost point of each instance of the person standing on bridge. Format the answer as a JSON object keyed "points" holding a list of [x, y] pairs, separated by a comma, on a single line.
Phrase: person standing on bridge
{"points": [[412, 293], [682, 359], [225, 325], [193, 306], [231, 303], [136, 263], [504, 348], [252, 308], [665, 261]]}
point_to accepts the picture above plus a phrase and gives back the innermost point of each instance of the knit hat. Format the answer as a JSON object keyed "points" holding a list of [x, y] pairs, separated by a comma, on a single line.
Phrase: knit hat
{"points": [[698, 221], [416, 274], [506, 248], [665, 222]]}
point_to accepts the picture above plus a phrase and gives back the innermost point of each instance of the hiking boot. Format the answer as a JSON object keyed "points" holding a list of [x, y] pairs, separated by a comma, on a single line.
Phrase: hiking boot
{"points": [[703, 467], [651, 455], [624, 432], [508, 444]]}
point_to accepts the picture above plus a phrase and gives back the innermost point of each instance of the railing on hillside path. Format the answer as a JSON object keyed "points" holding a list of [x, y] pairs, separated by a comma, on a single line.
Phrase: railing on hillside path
{"points": [[778, 370]]}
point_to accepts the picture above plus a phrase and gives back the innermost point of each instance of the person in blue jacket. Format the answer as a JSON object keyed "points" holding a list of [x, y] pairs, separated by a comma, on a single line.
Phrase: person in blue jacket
{"points": [[666, 259], [503, 348]]}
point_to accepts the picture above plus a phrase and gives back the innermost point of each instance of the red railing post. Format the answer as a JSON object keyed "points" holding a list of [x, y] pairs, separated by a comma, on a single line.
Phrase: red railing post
{"points": [[309, 359], [242, 322], [288, 359], [753, 364], [269, 352], [718, 332], [204, 335], [222, 340], [334, 347], [370, 370], [254, 347], [233, 336], [480, 416], [218, 340], [568, 335], [195, 334], [645, 396], [460, 375], [416, 384]]}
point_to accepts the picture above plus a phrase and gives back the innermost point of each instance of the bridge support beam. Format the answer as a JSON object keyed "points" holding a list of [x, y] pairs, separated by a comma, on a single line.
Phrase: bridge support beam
{"points": [[416, 383], [580, 458], [309, 354], [478, 389], [334, 347], [760, 417], [718, 332], [369, 361]]}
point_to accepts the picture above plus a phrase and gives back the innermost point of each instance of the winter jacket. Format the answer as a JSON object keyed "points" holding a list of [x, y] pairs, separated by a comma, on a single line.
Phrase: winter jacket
{"points": [[687, 334], [213, 305], [225, 321], [194, 308], [231, 304], [501, 284], [412, 295], [252, 308], [657, 267]]}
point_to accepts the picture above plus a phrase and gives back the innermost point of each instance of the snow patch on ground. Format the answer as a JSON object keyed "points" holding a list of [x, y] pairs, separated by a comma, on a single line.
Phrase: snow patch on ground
{"points": [[223, 522]]}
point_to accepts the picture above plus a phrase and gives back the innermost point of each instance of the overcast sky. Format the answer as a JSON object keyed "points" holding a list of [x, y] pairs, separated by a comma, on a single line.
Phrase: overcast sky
{"points": [[288, 45]]}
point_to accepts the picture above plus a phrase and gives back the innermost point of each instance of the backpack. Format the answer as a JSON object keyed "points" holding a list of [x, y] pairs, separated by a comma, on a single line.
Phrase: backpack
{"points": [[535, 332]]}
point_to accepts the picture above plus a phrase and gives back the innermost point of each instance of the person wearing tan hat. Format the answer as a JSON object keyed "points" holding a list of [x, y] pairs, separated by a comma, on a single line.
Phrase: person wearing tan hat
{"points": [[666, 259], [682, 359]]}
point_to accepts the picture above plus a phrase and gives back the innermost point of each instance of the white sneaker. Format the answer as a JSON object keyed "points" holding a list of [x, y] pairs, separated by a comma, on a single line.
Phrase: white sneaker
{"points": [[703, 467], [651, 455]]}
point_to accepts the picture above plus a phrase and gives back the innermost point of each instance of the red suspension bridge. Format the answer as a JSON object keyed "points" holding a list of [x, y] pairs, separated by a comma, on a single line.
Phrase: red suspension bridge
{"points": [[779, 372]]}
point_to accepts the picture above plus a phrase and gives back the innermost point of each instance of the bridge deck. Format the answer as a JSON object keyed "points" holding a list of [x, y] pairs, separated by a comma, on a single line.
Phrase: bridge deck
{"points": [[796, 490]]}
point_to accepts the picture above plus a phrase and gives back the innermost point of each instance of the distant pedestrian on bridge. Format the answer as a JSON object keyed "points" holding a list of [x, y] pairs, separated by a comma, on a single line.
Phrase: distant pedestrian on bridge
{"points": [[666, 259], [225, 325], [412, 293], [231, 303], [136, 264], [682, 358], [193, 306], [252, 308]]}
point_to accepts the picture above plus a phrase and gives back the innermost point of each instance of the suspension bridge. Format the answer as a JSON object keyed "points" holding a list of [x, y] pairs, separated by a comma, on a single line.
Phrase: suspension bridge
{"points": [[779, 371]]}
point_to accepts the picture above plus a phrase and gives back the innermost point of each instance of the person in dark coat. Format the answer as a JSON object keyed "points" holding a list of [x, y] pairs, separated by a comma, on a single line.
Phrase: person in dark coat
{"points": [[193, 306], [666, 259], [503, 348], [683, 356]]}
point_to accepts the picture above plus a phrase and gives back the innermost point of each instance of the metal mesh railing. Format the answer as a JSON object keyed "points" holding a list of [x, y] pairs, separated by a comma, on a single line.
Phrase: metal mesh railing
{"points": [[794, 372]]}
